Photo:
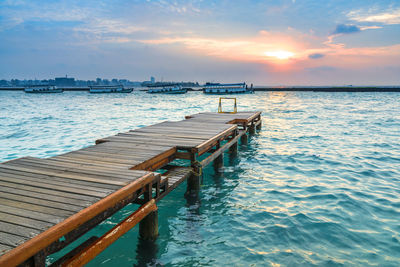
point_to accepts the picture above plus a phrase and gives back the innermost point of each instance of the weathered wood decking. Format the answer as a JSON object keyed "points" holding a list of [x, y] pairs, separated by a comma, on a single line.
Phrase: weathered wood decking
{"points": [[45, 204]]}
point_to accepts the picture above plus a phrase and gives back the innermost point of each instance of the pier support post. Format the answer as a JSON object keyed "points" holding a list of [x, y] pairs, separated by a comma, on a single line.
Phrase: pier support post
{"points": [[259, 125], [193, 182], [234, 148], [219, 161], [148, 227], [244, 140], [252, 128]]}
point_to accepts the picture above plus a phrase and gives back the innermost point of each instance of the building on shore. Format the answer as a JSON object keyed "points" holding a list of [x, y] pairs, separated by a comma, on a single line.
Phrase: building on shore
{"points": [[64, 81]]}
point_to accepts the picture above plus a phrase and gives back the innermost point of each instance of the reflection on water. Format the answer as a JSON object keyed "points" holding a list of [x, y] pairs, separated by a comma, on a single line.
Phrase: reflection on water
{"points": [[319, 185]]}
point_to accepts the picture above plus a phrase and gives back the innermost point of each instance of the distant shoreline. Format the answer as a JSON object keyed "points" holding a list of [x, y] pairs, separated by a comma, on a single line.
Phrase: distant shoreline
{"points": [[331, 89], [267, 89]]}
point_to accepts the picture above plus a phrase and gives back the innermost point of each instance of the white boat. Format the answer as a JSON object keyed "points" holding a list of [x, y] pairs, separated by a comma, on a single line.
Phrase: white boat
{"points": [[226, 88], [167, 89], [43, 89], [95, 89]]}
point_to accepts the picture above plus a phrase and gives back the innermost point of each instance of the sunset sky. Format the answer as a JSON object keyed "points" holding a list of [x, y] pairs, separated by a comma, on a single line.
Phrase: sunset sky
{"points": [[288, 42]]}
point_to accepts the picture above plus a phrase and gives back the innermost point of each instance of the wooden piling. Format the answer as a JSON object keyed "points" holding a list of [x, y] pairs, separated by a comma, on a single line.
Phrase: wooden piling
{"points": [[234, 148], [219, 162], [193, 182], [252, 128], [244, 140], [259, 125], [148, 227]]}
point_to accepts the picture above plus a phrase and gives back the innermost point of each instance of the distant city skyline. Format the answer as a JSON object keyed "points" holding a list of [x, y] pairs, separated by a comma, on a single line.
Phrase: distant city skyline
{"points": [[282, 42], [72, 82]]}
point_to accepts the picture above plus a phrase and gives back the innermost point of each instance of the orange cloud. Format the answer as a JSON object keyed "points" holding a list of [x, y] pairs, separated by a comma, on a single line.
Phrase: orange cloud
{"points": [[284, 52]]}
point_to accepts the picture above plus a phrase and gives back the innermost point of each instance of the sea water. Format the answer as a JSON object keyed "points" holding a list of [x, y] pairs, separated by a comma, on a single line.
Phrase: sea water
{"points": [[318, 185]]}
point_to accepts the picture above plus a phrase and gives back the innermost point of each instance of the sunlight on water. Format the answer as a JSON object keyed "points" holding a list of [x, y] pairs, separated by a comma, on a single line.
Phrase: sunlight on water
{"points": [[319, 185]]}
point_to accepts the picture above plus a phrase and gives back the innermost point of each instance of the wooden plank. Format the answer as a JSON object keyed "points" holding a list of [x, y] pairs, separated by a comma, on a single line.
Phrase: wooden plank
{"points": [[106, 170], [53, 198], [160, 138], [12, 240], [61, 174], [40, 202], [171, 134], [66, 158], [184, 129], [22, 221], [4, 248], [78, 167], [181, 125], [31, 214], [134, 157], [95, 172], [49, 192], [128, 146], [40, 179], [124, 150], [57, 186], [164, 142], [106, 160], [18, 230]]}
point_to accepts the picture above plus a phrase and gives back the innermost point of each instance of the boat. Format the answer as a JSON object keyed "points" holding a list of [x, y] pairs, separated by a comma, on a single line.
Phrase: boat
{"points": [[167, 89], [227, 88], [43, 89], [95, 89]]}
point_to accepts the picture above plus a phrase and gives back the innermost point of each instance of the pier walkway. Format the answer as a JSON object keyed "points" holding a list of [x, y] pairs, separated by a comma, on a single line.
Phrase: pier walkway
{"points": [[45, 204]]}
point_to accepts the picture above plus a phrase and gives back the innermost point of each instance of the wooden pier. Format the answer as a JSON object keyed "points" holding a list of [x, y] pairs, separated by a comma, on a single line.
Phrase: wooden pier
{"points": [[45, 204]]}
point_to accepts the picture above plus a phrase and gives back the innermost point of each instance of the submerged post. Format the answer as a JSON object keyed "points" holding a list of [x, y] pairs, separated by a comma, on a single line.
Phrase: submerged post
{"points": [[234, 148], [219, 161], [148, 227], [244, 140], [259, 124], [252, 128], [193, 182]]}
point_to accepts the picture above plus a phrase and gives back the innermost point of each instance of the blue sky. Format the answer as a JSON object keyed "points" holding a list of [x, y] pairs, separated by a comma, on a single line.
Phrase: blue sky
{"points": [[289, 42]]}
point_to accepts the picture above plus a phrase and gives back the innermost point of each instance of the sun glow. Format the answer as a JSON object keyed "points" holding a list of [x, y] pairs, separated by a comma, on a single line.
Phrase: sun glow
{"points": [[281, 54]]}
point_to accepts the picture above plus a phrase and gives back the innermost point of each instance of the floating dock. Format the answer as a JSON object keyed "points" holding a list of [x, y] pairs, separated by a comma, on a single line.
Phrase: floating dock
{"points": [[45, 204]]}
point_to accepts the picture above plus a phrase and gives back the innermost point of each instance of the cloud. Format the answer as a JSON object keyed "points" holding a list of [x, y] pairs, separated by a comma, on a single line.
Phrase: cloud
{"points": [[346, 29], [363, 28], [316, 56], [251, 49], [384, 17]]}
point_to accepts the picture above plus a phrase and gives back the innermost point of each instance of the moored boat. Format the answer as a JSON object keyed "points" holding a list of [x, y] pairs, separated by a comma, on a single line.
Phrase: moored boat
{"points": [[43, 89], [167, 89], [109, 89], [227, 88]]}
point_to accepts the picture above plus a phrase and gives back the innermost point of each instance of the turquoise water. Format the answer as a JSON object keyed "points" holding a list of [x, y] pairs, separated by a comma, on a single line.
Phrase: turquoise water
{"points": [[318, 185]]}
